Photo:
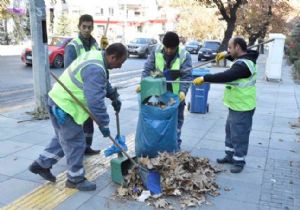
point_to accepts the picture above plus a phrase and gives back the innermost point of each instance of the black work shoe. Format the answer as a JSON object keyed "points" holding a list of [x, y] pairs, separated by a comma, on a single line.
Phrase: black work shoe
{"points": [[90, 151], [84, 185], [236, 168], [43, 172], [225, 159]]}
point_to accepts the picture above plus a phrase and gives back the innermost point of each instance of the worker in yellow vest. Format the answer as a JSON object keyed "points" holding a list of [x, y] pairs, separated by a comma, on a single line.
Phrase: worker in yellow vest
{"points": [[83, 43], [87, 78], [239, 97], [171, 60]]}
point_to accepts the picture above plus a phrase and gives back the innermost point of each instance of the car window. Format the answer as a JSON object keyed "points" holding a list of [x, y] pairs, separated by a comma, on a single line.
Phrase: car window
{"points": [[211, 45], [140, 41], [192, 43], [57, 41]]}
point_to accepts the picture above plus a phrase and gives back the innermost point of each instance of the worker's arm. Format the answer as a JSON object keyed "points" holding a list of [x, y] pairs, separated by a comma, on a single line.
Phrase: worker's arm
{"points": [[149, 65], [237, 71], [111, 92], [94, 87], [186, 75], [70, 55]]}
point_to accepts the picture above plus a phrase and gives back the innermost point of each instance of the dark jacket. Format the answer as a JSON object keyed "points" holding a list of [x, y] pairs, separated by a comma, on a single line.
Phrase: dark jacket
{"points": [[238, 70]]}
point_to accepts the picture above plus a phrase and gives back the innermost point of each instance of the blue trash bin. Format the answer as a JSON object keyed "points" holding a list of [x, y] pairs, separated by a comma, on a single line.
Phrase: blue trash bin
{"points": [[199, 94]]}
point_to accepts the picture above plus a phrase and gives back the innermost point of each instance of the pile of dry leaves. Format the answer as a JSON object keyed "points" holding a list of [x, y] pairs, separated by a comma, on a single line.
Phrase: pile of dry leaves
{"points": [[182, 175]]}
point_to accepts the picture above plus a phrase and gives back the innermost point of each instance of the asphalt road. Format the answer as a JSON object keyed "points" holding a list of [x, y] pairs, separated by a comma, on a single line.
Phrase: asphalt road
{"points": [[16, 79]]}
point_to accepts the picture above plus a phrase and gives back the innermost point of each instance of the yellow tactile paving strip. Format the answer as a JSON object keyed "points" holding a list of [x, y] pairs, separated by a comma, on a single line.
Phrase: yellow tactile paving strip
{"points": [[49, 195]]}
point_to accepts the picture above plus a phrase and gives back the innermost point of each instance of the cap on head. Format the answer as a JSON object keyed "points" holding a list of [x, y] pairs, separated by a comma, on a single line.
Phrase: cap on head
{"points": [[171, 40]]}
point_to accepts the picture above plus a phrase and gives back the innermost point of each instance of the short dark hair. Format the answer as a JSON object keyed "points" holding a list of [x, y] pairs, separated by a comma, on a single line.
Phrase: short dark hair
{"points": [[117, 49], [241, 42], [85, 18], [171, 39]]}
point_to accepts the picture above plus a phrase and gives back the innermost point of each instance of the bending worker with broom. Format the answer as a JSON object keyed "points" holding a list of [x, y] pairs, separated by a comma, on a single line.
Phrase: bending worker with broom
{"points": [[87, 78], [239, 97]]}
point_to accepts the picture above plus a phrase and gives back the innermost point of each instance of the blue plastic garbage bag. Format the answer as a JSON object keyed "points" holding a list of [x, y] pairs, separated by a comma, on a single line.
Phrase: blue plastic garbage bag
{"points": [[157, 128], [114, 149]]}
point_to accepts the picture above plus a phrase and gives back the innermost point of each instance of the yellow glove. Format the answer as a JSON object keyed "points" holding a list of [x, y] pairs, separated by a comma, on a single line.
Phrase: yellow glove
{"points": [[138, 89], [103, 42], [198, 81], [220, 56], [181, 96]]}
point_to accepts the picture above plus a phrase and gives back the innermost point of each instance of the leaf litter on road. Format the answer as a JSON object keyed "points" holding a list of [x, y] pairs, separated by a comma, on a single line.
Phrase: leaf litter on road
{"points": [[182, 176]]}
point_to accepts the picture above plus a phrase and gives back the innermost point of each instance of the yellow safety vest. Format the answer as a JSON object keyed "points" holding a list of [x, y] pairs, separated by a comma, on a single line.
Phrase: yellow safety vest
{"points": [[72, 79], [240, 95], [175, 66], [78, 45]]}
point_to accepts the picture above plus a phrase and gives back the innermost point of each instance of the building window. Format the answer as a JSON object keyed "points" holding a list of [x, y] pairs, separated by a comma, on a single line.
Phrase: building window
{"points": [[137, 13], [99, 11], [111, 11]]}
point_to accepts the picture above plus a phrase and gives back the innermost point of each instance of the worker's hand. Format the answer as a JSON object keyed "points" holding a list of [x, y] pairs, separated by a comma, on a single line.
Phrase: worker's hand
{"points": [[220, 56], [117, 104], [198, 81], [105, 131], [138, 89], [114, 149], [103, 42], [181, 96]]}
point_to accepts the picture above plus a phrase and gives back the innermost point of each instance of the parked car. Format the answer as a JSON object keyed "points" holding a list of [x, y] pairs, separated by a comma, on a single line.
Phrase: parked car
{"points": [[56, 50], [141, 46], [193, 47], [209, 50]]}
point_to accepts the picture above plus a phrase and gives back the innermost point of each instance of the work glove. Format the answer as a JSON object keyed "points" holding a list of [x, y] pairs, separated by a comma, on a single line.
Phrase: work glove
{"points": [[103, 42], [138, 89], [117, 105], [220, 56], [114, 149], [105, 131], [198, 81], [181, 96], [59, 114]]}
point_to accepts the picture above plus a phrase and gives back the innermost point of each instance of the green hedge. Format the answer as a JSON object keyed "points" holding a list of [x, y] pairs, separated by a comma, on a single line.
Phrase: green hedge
{"points": [[297, 65]]}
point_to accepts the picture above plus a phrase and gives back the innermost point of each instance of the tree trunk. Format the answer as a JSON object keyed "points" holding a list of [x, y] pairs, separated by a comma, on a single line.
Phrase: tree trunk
{"points": [[228, 34], [252, 39]]}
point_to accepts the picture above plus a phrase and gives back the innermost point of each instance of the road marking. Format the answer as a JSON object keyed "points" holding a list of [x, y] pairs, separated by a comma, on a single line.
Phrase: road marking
{"points": [[49, 196]]}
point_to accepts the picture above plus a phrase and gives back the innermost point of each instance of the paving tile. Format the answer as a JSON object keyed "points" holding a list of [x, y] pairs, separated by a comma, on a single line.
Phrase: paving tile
{"points": [[10, 147], [75, 201], [31, 153], [12, 165], [279, 154], [98, 202], [220, 203], [239, 190], [9, 193], [3, 177], [31, 137]]}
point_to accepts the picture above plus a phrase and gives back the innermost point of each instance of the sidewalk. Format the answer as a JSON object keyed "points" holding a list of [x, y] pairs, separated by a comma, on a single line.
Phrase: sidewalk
{"points": [[270, 180]]}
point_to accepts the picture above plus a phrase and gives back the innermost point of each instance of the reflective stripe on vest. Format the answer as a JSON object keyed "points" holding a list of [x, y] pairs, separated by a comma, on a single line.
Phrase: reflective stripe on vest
{"points": [[72, 79], [240, 95], [79, 48], [175, 66]]}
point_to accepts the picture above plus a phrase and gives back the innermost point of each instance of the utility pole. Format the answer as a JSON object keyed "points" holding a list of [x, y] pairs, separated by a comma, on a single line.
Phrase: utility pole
{"points": [[40, 62]]}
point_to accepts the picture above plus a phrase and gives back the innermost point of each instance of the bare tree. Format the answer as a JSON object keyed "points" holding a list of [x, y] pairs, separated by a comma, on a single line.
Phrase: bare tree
{"points": [[228, 10]]}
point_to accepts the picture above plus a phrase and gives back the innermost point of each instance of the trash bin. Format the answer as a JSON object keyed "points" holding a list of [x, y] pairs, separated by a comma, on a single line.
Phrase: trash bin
{"points": [[199, 94]]}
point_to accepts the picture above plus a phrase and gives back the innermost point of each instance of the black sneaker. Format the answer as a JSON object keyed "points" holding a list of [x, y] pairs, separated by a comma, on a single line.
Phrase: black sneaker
{"points": [[226, 159], [84, 185], [236, 168], [43, 172], [90, 151]]}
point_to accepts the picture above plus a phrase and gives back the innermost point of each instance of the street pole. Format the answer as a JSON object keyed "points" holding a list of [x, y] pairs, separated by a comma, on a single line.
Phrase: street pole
{"points": [[40, 62]]}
